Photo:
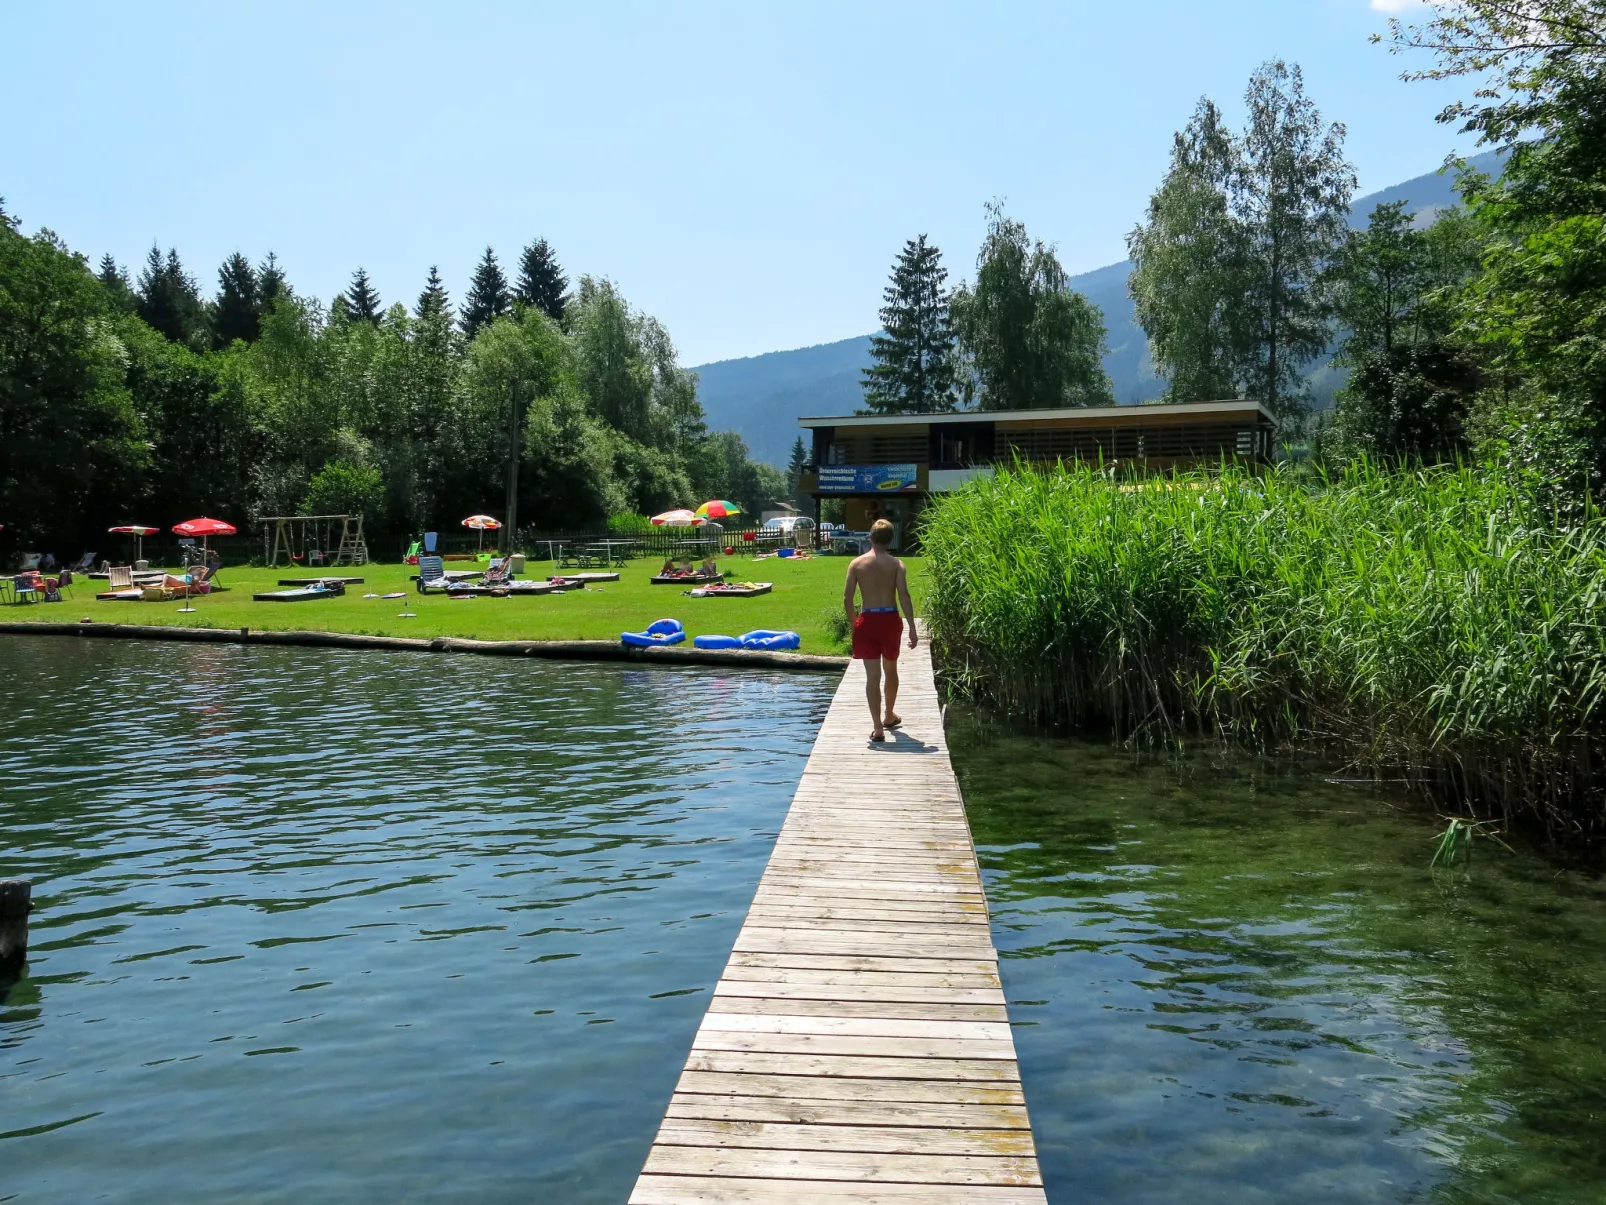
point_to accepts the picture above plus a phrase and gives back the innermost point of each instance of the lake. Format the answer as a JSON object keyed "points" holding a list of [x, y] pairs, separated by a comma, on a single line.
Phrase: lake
{"points": [[1236, 982], [328, 926]]}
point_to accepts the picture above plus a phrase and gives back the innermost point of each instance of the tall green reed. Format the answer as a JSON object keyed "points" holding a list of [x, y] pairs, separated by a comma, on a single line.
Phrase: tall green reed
{"points": [[1434, 623]]}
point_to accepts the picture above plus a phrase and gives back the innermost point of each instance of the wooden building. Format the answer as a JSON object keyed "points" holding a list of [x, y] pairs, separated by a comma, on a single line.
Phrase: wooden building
{"points": [[886, 465]]}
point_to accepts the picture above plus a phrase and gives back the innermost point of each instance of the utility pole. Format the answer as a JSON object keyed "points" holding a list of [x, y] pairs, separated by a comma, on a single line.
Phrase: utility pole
{"points": [[512, 466]]}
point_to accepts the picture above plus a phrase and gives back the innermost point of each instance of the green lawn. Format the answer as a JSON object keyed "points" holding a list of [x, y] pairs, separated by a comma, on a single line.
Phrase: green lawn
{"points": [[805, 594]]}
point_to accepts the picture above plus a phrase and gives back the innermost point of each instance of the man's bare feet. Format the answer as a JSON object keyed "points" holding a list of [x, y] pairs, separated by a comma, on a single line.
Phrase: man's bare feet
{"points": [[893, 720], [878, 735]]}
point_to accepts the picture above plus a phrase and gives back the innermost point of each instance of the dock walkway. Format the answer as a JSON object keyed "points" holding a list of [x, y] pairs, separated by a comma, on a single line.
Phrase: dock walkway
{"points": [[857, 1048]]}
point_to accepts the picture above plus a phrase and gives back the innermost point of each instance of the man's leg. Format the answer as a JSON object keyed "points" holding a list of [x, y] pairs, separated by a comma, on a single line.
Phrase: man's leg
{"points": [[893, 719], [872, 694]]}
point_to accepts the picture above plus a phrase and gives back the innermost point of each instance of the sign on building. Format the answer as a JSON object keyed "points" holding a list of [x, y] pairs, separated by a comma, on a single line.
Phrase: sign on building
{"points": [[869, 479]]}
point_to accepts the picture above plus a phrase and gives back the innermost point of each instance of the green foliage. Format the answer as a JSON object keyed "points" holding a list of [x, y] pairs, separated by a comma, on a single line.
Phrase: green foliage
{"points": [[362, 299], [1437, 622], [794, 472], [542, 284], [119, 289], [169, 300], [237, 312], [914, 369], [343, 488], [1029, 340], [71, 442], [488, 297], [1229, 264]]}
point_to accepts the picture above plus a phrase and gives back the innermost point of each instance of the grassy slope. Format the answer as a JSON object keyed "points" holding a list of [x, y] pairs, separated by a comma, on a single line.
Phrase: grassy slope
{"points": [[805, 591]]}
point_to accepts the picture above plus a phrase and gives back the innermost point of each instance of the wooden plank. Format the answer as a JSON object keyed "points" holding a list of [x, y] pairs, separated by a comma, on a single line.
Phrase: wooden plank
{"points": [[848, 1112], [892, 1140], [842, 1165], [857, 1047], [735, 1190], [805, 1088]]}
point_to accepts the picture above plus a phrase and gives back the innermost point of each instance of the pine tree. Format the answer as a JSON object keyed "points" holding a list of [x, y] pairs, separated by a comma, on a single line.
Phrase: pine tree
{"points": [[913, 371], [270, 283], [114, 279], [794, 469], [362, 299], [237, 313], [433, 301], [542, 283], [488, 297], [168, 298]]}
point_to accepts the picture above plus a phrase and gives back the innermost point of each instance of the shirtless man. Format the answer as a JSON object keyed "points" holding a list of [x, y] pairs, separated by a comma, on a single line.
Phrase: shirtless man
{"points": [[882, 583]]}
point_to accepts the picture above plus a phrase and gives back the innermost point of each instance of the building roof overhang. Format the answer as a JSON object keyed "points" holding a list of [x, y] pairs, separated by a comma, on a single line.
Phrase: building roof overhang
{"points": [[1231, 408]]}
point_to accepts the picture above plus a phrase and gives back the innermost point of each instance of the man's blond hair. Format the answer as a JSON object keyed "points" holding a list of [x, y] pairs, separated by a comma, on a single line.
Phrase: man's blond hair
{"points": [[881, 532]]}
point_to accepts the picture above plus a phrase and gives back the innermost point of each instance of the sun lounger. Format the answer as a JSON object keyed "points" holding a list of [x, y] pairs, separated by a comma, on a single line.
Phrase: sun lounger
{"points": [[686, 579], [313, 581], [588, 577], [733, 590], [329, 589]]}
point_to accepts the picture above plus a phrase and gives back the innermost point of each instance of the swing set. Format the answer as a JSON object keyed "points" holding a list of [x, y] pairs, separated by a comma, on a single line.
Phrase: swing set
{"points": [[306, 540]]}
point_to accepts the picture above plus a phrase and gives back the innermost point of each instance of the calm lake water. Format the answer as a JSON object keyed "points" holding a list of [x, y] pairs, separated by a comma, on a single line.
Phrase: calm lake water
{"points": [[1239, 985], [323, 926], [328, 927]]}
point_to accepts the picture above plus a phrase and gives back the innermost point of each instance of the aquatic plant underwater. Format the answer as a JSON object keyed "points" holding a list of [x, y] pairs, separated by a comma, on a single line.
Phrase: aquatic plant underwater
{"points": [[1437, 623]]}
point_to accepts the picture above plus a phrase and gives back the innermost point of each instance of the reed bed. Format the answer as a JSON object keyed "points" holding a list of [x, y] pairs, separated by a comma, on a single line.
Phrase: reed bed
{"points": [[1435, 625]]}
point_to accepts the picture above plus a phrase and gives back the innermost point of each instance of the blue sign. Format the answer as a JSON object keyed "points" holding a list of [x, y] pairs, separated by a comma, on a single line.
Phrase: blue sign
{"points": [[869, 479]]}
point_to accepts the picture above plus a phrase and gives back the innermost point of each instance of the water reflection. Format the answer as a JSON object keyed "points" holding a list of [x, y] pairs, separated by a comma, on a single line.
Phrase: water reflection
{"points": [[1233, 984], [338, 926]]}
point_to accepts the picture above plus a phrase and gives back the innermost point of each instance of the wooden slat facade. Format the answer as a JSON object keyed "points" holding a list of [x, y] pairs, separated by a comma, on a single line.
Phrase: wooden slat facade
{"points": [[857, 1048]]}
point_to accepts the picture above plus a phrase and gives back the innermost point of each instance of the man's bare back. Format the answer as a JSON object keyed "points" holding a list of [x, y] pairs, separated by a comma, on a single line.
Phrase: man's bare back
{"points": [[882, 584]]}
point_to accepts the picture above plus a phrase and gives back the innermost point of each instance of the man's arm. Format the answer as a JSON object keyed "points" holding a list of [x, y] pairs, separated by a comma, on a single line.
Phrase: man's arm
{"points": [[907, 603], [848, 591]]}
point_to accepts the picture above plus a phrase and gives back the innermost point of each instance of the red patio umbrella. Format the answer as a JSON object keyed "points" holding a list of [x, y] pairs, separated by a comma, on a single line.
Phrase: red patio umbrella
{"points": [[204, 528]]}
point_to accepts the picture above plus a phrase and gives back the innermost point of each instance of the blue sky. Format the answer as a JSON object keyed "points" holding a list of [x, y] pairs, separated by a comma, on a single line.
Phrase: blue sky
{"points": [[744, 171]]}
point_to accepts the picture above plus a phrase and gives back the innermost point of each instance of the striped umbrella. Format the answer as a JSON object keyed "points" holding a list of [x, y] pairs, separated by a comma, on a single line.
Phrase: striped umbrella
{"points": [[718, 508], [678, 518], [482, 524], [139, 531]]}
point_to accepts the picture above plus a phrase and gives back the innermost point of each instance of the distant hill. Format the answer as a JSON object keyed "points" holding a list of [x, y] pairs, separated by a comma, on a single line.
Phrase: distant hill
{"points": [[762, 397]]}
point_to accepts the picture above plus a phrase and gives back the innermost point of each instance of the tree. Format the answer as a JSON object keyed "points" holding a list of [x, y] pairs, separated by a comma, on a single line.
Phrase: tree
{"points": [[362, 299], [1230, 265], [542, 283], [270, 283], [433, 302], [913, 371], [488, 298], [169, 299], [1031, 341], [71, 444], [1189, 263], [237, 312], [119, 289], [1293, 201], [1394, 291], [794, 471]]}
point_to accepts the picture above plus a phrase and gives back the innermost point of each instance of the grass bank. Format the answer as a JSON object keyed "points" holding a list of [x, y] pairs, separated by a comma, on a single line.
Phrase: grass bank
{"points": [[1432, 625], [805, 595]]}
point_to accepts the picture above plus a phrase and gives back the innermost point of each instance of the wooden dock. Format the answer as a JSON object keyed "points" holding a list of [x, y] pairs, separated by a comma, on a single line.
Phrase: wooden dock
{"points": [[857, 1048]]}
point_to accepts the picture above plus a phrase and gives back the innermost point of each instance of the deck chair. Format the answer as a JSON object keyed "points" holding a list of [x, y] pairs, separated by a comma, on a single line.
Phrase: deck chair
{"points": [[30, 561], [431, 574], [83, 564], [26, 587], [499, 574], [120, 577]]}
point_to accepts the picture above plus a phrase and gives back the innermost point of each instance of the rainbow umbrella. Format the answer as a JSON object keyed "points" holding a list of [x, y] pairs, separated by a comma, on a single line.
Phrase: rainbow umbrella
{"points": [[139, 532], [482, 524], [678, 518], [718, 508]]}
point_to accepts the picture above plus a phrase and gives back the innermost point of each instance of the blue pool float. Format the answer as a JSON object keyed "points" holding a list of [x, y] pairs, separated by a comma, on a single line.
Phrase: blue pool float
{"points": [[659, 631], [762, 638], [717, 642]]}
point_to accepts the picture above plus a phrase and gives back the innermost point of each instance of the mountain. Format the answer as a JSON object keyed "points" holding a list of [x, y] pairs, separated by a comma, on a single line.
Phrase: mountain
{"points": [[762, 397]]}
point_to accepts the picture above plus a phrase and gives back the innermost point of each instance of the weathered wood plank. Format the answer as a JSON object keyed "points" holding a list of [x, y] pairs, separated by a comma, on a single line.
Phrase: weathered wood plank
{"points": [[868, 1139], [848, 1112], [805, 1088], [735, 1190], [901, 1009], [863, 1027], [843, 1165]]}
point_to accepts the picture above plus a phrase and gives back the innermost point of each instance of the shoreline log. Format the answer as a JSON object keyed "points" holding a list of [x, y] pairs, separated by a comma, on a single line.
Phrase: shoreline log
{"points": [[556, 650]]}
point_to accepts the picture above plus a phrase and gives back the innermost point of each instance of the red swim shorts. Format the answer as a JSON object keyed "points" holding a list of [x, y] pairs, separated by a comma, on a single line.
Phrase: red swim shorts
{"points": [[877, 635]]}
